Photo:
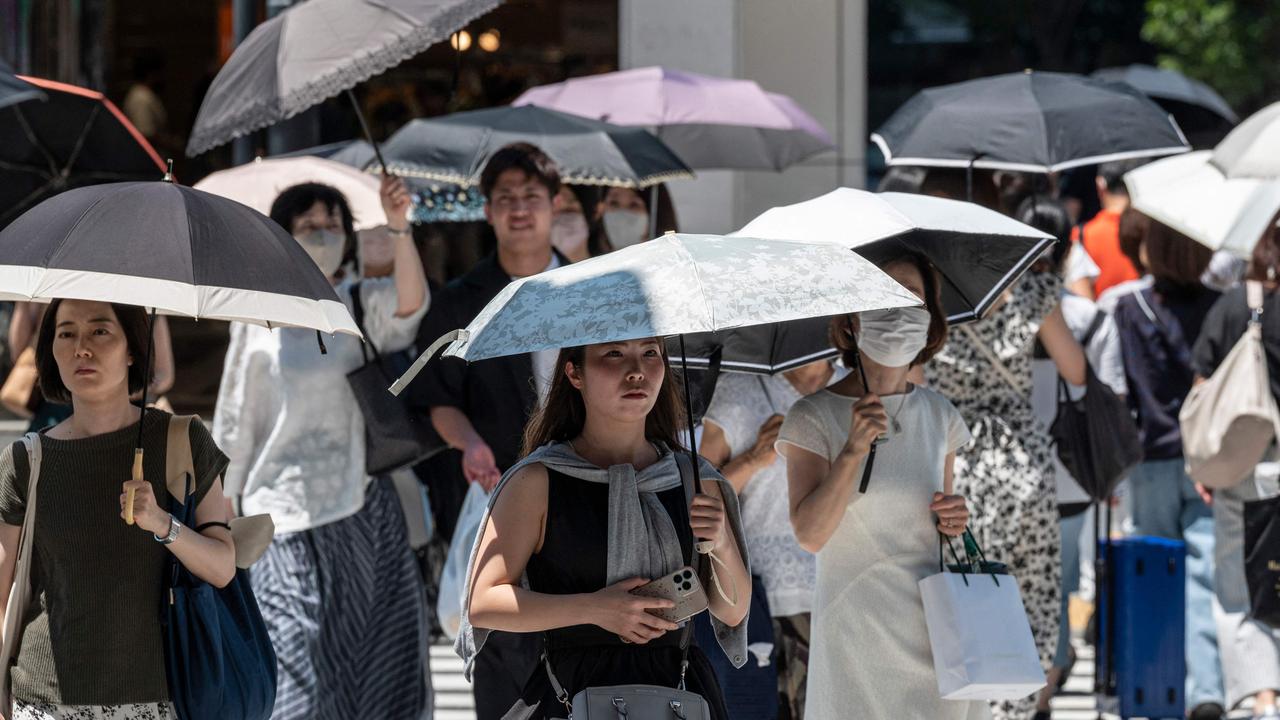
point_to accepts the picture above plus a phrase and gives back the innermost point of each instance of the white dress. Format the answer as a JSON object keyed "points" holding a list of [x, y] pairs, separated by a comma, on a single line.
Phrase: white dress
{"points": [[870, 656]]}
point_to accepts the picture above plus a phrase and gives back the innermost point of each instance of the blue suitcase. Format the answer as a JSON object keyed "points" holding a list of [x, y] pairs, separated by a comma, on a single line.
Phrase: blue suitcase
{"points": [[1143, 649]]}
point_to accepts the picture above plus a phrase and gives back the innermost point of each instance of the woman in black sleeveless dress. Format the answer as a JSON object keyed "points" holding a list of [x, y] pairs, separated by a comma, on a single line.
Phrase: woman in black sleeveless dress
{"points": [[597, 509]]}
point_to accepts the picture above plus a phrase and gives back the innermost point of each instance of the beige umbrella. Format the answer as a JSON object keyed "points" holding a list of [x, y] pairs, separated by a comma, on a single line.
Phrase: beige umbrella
{"points": [[258, 183]]}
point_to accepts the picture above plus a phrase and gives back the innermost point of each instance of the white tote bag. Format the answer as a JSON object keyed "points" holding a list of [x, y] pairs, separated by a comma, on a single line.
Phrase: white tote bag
{"points": [[452, 579], [981, 638]]}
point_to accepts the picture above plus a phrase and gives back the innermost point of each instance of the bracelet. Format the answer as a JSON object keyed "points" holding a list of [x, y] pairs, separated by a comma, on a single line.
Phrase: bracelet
{"points": [[406, 232]]}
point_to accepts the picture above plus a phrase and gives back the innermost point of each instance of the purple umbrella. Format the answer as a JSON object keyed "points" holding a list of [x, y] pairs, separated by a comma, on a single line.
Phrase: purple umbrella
{"points": [[710, 122]]}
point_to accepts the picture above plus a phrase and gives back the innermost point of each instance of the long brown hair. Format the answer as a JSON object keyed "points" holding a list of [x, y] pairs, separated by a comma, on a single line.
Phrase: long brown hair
{"points": [[564, 414], [843, 331]]}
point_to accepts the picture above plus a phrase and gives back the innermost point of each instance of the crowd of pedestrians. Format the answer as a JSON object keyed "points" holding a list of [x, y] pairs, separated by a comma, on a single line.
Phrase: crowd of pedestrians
{"points": [[590, 496]]}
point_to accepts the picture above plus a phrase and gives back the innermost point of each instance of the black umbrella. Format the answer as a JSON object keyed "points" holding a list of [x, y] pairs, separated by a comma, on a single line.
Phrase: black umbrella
{"points": [[1193, 103], [169, 248], [760, 349], [14, 89], [76, 137], [1029, 122], [454, 148]]}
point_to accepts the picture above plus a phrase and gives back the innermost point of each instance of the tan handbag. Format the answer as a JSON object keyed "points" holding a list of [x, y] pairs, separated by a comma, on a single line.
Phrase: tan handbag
{"points": [[1229, 420], [251, 535], [20, 592], [18, 394]]}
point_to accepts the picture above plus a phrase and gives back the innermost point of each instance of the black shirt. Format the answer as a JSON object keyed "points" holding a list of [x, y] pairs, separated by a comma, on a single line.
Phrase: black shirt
{"points": [[1225, 325]]}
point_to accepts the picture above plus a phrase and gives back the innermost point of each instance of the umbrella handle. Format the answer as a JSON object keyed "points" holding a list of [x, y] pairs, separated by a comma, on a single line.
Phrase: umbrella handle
{"points": [[137, 475]]}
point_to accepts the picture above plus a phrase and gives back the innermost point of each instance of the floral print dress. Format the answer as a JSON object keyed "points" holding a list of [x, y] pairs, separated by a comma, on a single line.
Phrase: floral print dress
{"points": [[1007, 472]]}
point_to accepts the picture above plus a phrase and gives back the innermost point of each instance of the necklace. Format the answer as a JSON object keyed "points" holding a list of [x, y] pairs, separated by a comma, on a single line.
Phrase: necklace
{"points": [[893, 419]]}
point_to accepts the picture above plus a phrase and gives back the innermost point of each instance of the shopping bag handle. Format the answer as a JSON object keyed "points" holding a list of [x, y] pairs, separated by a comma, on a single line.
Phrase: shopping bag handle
{"points": [[963, 575]]}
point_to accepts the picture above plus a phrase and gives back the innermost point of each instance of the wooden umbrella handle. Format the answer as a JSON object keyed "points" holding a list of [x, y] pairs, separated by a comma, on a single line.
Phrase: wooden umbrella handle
{"points": [[137, 475]]}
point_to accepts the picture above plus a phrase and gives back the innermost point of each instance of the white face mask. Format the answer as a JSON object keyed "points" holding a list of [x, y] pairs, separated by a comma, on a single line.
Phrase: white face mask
{"points": [[325, 248], [893, 337], [569, 233], [625, 227]]}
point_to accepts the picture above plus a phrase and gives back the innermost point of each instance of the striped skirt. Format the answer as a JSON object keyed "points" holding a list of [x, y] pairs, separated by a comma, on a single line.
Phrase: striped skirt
{"points": [[345, 607]]}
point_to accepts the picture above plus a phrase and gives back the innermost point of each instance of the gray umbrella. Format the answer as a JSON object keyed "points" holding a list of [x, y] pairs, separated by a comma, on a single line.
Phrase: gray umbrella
{"points": [[454, 148], [314, 51], [1171, 86]]}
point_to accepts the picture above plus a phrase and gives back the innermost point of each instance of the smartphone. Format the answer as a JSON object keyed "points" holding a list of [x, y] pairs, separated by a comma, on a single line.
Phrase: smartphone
{"points": [[681, 587]]}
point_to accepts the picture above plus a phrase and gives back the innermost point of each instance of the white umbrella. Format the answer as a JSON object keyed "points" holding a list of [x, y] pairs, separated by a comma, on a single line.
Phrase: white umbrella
{"points": [[673, 285], [1252, 149], [978, 252], [1190, 194], [258, 183]]}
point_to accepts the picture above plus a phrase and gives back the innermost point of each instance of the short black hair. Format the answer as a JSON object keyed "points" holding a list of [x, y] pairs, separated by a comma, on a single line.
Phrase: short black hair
{"points": [[525, 157], [1112, 173], [1048, 214], [136, 327], [297, 199]]}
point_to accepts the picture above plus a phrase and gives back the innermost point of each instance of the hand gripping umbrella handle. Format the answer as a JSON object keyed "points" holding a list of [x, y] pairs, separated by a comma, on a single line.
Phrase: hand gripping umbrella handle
{"points": [[137, 475], [403, 381]]}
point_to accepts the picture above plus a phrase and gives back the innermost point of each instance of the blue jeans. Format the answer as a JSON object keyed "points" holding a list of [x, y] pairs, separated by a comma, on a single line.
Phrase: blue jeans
{"points": [[1165, 504], [1071, 528]]}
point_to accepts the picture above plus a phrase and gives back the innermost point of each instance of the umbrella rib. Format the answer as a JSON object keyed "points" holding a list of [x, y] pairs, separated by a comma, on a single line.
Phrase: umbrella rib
{"points": [[18, 167], [80, 141], [35, 141], [702, 292], [20, 206]]}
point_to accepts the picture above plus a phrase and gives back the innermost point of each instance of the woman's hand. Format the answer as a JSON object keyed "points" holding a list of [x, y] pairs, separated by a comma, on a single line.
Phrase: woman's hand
{"points": [[147, 513], [762, 454], [953, 514], [395, 201], [706, 517], [869, 422], [627, 616]]}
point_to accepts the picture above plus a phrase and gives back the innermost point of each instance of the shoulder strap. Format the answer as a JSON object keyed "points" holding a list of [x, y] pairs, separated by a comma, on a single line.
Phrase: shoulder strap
{"points": [[1099, 317], [357, 314], [1253, 295], [179, 465], [992, 358]]}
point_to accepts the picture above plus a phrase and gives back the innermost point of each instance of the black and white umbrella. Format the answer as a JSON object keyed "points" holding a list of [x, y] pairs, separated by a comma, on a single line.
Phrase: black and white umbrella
{"points": [[178, 250], [1030, 122], [317, 50], [759, 349], [1172, 90], [455, 148]]}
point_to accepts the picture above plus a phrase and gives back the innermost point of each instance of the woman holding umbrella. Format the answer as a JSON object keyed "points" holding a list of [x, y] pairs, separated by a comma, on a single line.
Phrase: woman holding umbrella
{"points": [[91, 646], [600, 483], [339, 587], [874, 548]]}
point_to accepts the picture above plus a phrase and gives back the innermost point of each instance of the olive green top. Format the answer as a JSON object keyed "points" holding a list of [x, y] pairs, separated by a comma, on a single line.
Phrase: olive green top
{"points": [[92, 633]]}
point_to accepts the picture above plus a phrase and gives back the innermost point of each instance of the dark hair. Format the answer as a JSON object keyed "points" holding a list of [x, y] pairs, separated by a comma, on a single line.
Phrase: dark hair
{"points": [[1174, 259], [1264, 265], [298, 199], [526, 158], [1133, 232], [843, 330], [133, 322], [1112, 173], [563, 415], [1048, 215], [953, 183]]}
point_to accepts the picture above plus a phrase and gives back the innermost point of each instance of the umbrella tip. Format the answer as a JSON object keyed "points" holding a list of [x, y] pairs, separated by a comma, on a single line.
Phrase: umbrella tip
{"points": [[168, 175]]}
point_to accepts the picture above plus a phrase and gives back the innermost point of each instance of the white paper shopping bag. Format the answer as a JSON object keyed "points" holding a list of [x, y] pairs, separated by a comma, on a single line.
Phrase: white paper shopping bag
{"points": [[981, 638]]}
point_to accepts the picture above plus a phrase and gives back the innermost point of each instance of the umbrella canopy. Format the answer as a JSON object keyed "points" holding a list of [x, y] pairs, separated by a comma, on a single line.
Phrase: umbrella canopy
{"points": [[258, 183], [14, 89], [1252, 150], [1190, 194], [75, 137], [1170, 86], [1029, 122], [978, 252], [672, 285], [455, 148], [314, 51], [710, 122], [759, 349], [354, 153], [168, 247]]}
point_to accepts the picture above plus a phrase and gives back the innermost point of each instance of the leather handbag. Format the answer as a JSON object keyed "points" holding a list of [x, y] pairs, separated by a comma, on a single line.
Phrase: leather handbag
{"points": [[1229, 420], [20, 592], [1262, 558], [641, 702], [395, 436], [219, 660], [19, 394]]}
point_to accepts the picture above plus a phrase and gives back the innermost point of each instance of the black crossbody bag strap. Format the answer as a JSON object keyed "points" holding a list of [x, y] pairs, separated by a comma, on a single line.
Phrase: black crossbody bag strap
{"points": [[357, 314]]}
